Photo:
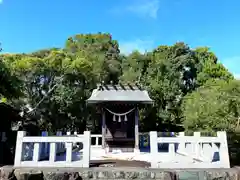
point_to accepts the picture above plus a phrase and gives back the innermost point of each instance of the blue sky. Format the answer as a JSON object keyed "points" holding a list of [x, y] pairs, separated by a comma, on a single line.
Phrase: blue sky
{"points": [[29, 25]]}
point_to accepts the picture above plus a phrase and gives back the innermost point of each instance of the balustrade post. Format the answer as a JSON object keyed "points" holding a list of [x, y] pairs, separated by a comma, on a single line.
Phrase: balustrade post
{"points": [[36, 152], [223, 151], [197, 147], [181, 145], [171, 151], [52, 153], [86, 148], [68, 152], [75, 133], [19, 148], [153, 149]]}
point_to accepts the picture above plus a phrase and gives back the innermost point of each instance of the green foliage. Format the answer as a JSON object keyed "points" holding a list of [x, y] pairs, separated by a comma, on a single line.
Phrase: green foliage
{"points": [[170, 73], [213, 107], [9, 84], [56, 82]]}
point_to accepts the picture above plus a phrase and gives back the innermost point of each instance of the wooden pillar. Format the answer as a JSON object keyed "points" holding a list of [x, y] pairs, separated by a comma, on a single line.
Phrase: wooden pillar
{"points": [[103, 128], [136, 129]]}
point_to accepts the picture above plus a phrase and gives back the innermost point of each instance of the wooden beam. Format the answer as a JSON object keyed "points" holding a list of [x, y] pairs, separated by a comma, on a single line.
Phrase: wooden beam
{"points": [[103, 128]]}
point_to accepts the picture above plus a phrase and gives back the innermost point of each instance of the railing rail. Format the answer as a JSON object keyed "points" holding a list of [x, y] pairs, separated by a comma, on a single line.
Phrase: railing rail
{"points": [[177, 146], [53, 140], [199, 147]]}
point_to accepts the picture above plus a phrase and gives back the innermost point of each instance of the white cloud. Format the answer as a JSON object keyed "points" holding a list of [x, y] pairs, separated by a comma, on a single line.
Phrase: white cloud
{"points": [[145, 8], [126, 47], [142, 8]]}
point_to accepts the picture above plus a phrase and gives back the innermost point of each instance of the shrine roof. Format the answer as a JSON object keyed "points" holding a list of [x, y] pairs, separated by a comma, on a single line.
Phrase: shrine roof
{"points": [[119, 93]]}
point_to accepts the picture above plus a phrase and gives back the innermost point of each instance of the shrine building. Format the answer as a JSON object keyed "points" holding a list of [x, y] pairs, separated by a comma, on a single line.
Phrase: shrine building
{"points": [[119, 106]]}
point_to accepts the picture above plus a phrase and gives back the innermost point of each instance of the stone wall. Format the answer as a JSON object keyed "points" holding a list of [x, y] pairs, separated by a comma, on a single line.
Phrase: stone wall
{"points": [[8, 173]]}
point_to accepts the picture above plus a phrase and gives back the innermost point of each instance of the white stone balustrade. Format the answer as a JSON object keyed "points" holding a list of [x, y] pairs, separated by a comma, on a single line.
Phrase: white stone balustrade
{"points": [[53, 140], [189, 151], [182, 151], [95, 142]]}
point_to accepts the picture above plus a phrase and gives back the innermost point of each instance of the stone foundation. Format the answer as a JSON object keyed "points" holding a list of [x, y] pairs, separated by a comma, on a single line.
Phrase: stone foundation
{"points": [[8, 173]]}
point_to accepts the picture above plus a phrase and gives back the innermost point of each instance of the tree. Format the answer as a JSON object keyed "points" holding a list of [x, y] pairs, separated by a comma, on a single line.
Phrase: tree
{"points": [[51, 86], [165, 77], [170, 73], [103, 52], [56, 82], [208, 67], [213, 107], [10, 86]]}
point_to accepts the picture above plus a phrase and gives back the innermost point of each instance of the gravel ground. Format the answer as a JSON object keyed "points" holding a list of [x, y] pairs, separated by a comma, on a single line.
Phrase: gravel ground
{"points": [[119, 163]]}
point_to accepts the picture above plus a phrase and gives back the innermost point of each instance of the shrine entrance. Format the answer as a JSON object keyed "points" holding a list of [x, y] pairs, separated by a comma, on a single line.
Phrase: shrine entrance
{"points": [[119, 129], [119, 105]]}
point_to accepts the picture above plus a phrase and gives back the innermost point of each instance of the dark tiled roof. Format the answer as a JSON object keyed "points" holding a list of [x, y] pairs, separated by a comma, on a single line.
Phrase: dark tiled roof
{"points": [[119, 93]]}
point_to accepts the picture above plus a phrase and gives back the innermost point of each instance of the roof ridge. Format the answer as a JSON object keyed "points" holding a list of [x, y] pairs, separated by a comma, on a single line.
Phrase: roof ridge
{"points": [[120, 86]]}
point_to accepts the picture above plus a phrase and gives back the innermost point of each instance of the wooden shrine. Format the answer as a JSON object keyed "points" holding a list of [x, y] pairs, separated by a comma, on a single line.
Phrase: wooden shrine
{"points": [[119, 105]]}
